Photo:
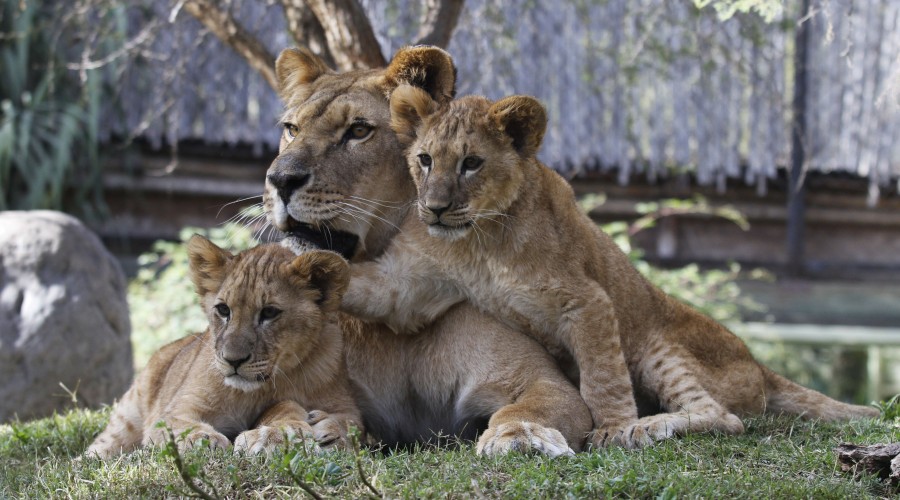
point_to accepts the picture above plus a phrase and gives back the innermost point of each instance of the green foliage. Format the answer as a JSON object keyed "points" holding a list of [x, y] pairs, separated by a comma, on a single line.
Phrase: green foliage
{"points": [[161, 297], [48, 121], [714, 291], [890, 410], [776, 458], [769, 10]]}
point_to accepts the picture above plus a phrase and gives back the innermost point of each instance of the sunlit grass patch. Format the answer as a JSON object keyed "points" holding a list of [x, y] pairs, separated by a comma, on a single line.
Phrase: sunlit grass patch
{"points": [[777, 457]]}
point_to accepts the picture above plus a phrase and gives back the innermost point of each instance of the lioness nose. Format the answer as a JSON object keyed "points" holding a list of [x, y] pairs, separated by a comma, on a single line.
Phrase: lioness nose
{"points": [[235, 363], [286, 184]]}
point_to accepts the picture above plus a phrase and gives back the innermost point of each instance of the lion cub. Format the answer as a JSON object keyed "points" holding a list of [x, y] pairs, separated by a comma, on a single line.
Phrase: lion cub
{"points": [[271, 350], [502, 230]]}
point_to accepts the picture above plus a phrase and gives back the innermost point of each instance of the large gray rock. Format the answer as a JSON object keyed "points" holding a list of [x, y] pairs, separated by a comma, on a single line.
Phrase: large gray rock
{"points": [[63, 316]]}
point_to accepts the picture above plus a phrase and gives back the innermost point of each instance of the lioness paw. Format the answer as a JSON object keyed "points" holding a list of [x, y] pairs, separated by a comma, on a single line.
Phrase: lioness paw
{"points": [[523, 437], [266, 439]]}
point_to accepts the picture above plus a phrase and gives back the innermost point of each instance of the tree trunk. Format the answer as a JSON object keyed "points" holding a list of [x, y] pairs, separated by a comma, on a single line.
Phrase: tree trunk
{"points": [[219, 21], [348, 33], [338, 31], [306, 30], [438, 22]]}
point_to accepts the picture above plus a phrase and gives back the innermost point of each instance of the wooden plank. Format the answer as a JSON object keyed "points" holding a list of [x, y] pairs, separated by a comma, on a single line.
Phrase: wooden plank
{"points": [[843, 335]]}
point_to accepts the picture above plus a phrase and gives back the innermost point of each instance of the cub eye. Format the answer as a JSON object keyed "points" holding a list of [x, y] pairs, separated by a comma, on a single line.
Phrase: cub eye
{"points": [[291, 130], [425, 160], [268, 313], [359, 131], [471, 164], [223, 310]]}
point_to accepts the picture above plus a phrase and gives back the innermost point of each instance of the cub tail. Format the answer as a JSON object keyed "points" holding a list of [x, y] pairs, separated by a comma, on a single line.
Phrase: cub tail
{"points": [[784, 396]]}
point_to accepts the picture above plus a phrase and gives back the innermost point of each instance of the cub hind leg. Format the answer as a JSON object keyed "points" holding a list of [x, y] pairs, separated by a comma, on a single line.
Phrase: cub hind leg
{"points": [[672, 375], [123, 433]]}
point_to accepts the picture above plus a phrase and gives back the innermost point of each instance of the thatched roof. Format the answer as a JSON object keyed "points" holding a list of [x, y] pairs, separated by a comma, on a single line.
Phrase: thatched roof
{"points": [[636, 85]]}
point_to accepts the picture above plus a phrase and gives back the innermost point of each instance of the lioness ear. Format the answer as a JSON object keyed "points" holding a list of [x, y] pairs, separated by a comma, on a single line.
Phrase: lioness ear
{"points": [[409, 106], [297, 66], [207, 264], [327, 272], [428, 68], [522, 118]]}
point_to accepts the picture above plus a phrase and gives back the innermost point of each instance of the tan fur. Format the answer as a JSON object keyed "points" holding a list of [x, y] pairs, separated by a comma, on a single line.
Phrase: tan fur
{"points": [[469, 370], [280, 322], [501, 230]]}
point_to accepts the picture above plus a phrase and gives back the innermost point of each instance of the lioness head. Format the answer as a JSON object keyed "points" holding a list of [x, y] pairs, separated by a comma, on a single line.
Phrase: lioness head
{"points": [[340, 179], [469, 158], [267, 308]]}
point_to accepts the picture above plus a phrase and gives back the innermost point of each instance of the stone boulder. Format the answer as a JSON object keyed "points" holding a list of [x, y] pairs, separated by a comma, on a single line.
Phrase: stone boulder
{"points": [[63, 316]]}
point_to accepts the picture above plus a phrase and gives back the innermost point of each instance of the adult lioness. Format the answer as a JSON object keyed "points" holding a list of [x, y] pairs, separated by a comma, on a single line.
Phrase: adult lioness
{"points": [[341, 181], [272, 349], [497, 227]]}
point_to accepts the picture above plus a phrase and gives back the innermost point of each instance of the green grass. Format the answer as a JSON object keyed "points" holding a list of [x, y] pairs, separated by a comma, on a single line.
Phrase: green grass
{"points": [[775, 458]]}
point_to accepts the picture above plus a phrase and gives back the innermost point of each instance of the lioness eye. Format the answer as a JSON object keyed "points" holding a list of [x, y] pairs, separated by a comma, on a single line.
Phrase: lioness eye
{"points": [[425, 160], [223, 310], [359, 131], [471, 164], [291, 130], [268, 313]]}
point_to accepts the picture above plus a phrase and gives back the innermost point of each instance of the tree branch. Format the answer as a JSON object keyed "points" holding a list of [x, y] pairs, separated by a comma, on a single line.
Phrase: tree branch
{"points": [[438, 22], [220, 22], [349, 34], [306, 30]]}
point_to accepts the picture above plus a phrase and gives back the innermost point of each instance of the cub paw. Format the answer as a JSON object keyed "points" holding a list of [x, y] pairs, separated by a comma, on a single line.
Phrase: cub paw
{"points": [[205, 438], [329, 432], [523, 437], [266, 439], [632, 436], [202, 435]]}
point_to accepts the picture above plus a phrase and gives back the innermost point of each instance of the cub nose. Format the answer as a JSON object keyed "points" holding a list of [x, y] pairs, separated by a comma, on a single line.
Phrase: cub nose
{"points": [[286, 184], [437, 208], [236, 363]]}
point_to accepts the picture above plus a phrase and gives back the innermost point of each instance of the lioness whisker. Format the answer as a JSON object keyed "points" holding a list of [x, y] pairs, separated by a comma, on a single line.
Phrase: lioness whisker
{"points": [[238, 201], [383, 203], [245, 213], [356, 217], [369, 213]]}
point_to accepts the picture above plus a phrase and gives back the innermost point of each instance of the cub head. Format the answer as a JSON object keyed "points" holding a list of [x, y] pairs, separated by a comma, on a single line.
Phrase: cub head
{"points": [[469, 159], [267, 308], [340, 179]]}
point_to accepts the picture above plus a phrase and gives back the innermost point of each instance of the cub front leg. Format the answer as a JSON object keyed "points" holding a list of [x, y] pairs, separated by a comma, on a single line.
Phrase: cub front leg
{"points": [[589, 327], [401, 290], [282, 423]]}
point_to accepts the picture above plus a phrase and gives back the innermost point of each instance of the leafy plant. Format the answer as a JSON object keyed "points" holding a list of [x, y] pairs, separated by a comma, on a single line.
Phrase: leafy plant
{"points": [[48, 122], [713, 291]]}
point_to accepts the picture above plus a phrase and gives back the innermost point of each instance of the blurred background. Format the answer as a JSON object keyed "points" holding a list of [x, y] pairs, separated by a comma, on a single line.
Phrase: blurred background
{"points": [[742, 152]]}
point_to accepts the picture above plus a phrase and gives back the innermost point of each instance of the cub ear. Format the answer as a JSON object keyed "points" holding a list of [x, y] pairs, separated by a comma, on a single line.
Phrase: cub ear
{"points": [[409, 106], [297, 66], [325, 271], [522, 118], [428, 68], [207, 264]]}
